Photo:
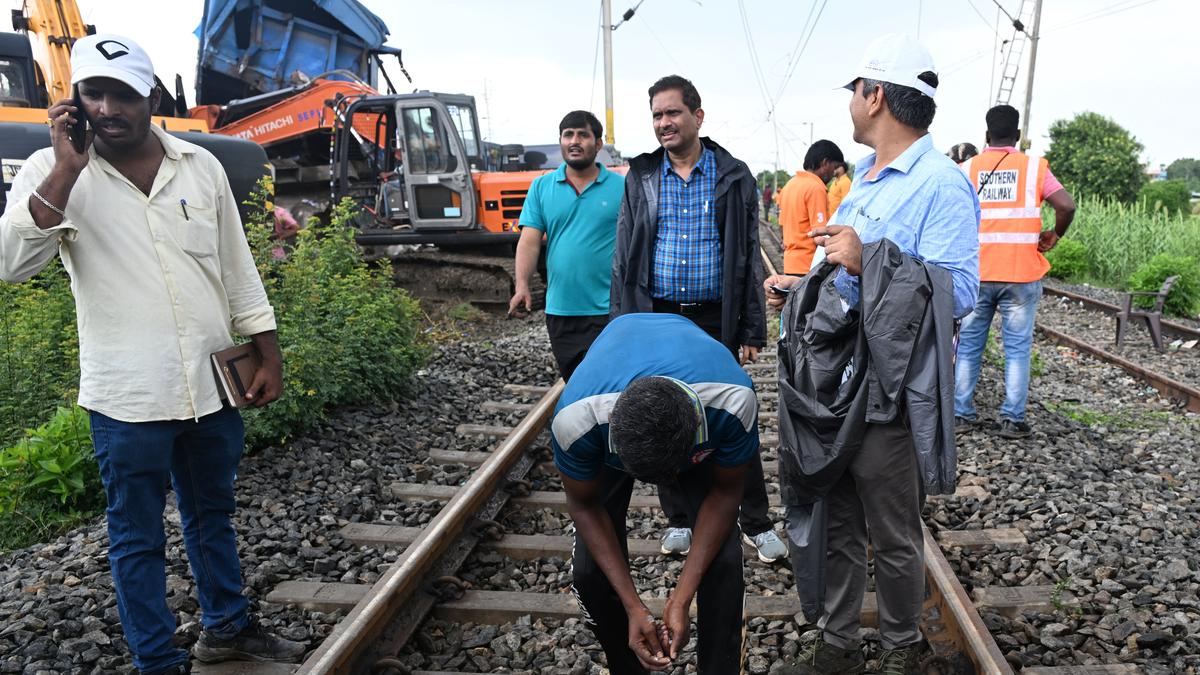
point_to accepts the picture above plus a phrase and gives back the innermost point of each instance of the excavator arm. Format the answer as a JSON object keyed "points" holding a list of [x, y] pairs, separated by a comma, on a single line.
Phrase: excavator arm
{"points": [[53, 27]]}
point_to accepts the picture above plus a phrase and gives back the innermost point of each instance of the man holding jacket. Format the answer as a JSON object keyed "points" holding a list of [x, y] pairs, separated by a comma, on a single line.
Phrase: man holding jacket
{"points": [[912, 195], [687, 244]]}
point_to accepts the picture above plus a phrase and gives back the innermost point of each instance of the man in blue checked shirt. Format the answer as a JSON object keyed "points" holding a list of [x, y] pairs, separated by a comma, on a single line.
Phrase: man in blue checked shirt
{"points": [[687, 244], [913, 195]]}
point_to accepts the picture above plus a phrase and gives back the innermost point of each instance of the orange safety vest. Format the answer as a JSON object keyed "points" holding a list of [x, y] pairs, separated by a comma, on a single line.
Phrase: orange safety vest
{"points": [[1010, 215]]}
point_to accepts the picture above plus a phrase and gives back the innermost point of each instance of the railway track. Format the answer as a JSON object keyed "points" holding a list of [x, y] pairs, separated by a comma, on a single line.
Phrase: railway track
{"points": [[1169, 327], [380, 618], [1180, 393]]}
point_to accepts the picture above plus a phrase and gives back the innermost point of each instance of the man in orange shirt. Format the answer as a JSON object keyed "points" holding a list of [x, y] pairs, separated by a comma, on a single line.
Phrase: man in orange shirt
{"points": [[839, 188], [804, 204]]}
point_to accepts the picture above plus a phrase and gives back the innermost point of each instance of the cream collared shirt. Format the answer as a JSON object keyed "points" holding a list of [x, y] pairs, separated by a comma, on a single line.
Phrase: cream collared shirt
{"points": [[157, 291]]}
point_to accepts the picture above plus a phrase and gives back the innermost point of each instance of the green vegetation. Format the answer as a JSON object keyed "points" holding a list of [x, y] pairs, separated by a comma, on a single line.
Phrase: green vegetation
{"points": [[1118, 239], [1068, 260], [1184, 297], [1169, 196], [48, 480], [1094, 156], [348, 337], [39, 351], [765, 178], [1186, 169], [1121, 419], [466, 312]]}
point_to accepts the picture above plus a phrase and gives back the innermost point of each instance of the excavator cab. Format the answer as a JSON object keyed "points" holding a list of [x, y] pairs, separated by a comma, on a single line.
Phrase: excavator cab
{"points": [[19, 87], [407, 161]]}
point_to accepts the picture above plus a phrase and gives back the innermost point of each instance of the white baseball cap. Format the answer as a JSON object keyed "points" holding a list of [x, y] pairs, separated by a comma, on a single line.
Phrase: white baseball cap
{"points": [[115, 56], [896, 58]]}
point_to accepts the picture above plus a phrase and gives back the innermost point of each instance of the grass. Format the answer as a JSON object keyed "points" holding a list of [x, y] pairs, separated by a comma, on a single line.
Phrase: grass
{"points": [[465, 311], [1115, 420], [1119, 238]]}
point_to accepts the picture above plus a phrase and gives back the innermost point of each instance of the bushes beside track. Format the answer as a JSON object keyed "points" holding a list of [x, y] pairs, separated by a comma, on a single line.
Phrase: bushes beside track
{"points": [[1114, 243], [348, 336]]}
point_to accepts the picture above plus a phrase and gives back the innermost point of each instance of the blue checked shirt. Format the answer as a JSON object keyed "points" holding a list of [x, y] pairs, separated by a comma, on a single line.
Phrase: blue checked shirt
{"points": [[687, 249]]}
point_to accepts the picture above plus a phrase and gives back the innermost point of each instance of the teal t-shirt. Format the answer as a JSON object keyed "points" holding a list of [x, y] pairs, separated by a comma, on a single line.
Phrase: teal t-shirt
{"points": [[581, 230]]}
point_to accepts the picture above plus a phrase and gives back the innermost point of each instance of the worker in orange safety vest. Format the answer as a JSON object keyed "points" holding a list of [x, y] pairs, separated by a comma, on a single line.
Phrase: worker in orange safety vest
{"points": [[1011, 187]]}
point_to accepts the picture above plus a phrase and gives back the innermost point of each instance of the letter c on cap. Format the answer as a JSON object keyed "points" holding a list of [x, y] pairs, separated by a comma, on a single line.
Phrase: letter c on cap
{"points": [[116, 54]]}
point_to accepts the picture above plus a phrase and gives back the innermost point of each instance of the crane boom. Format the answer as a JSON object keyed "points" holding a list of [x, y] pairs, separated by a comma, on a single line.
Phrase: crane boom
{"points": [[57, 24]]}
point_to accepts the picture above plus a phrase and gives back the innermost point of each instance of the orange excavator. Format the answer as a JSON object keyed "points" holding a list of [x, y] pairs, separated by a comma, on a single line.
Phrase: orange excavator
{"points": [[415, 163]]}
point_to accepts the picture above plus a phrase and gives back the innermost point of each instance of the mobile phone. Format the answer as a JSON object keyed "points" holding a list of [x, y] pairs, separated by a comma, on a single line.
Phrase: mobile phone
{"points": [[78, 131], [781, 291]]}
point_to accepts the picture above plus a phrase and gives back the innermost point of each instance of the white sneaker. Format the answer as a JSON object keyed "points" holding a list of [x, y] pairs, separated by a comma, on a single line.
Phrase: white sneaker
{"points": [[677, 541], [769, 546]]}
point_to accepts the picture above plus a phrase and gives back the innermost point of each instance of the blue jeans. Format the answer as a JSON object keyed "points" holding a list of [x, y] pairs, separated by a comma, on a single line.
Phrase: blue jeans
{"points": [[1018, 310], [199, 458]]}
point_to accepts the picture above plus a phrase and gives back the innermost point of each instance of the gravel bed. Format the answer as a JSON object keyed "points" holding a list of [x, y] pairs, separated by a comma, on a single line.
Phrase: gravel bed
{"points": [[1108, 295], [1105, 493], [57, 606], [1178, 361]]}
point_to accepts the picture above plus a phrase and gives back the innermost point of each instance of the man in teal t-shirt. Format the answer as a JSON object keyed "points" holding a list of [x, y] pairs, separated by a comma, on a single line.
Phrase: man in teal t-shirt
{"points": [[575, 209]]}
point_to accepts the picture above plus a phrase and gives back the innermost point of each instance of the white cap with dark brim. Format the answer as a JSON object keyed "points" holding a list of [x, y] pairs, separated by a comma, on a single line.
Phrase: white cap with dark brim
{"points": [[114, 56], [898, 59]]}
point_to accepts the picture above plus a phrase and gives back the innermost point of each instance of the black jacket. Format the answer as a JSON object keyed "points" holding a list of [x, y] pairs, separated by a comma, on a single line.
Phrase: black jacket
{"points": [[736, 201], [898, 346]]}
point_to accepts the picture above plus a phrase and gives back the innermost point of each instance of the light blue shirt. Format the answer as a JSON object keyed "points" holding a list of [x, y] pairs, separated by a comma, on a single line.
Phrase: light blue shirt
{"points": [[924, 204]]}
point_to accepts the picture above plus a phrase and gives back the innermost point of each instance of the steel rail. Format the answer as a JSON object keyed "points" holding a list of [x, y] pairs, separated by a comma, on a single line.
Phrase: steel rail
{"points": [[1178, 391], [1176, 329], [366, 622], [961, 620]]}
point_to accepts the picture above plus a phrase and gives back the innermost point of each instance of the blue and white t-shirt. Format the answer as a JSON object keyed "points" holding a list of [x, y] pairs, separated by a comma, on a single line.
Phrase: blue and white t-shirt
{"points": [[645, 345]]}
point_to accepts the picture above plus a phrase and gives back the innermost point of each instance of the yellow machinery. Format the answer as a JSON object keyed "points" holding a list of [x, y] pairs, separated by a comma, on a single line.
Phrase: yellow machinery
{"points": [[35, 74]]}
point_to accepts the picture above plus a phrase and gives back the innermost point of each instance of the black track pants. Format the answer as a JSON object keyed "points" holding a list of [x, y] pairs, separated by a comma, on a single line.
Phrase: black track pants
{"points": [[720, 597]]}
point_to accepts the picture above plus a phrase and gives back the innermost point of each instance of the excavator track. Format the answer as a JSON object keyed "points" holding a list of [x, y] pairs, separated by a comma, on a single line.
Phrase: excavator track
{"points": [[486, 281]]}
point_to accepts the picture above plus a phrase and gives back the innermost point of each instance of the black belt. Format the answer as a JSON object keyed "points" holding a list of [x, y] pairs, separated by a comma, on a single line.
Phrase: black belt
{"points": [[685, 308]]}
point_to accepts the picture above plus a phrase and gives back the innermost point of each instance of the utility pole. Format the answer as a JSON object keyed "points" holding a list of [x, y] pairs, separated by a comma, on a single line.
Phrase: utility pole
{"points": [[609, 138], [775, 174], [1037, 22]]}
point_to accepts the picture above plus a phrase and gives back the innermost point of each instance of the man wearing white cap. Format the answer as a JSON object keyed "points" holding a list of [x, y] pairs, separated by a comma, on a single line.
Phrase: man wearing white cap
{"points": [[913, 195], [148, 229]]}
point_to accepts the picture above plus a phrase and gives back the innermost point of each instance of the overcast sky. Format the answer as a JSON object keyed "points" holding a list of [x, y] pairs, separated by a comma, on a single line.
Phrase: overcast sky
{"points": [[1135, 61]]}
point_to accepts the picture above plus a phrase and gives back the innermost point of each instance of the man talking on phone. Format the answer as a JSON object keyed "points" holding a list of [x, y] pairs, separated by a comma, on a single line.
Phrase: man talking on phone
{"points": [[148, 229]]}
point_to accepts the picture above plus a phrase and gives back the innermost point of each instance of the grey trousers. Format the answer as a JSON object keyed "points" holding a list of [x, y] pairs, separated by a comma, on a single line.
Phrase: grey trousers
{"points": [[879, 497]]}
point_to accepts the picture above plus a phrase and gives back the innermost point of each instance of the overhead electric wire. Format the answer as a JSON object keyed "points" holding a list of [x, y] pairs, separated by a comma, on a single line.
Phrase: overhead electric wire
{"points": [[1099, 14], [759, 77], [646, 24], [792, 53], [980, 15], [796, 60]]}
